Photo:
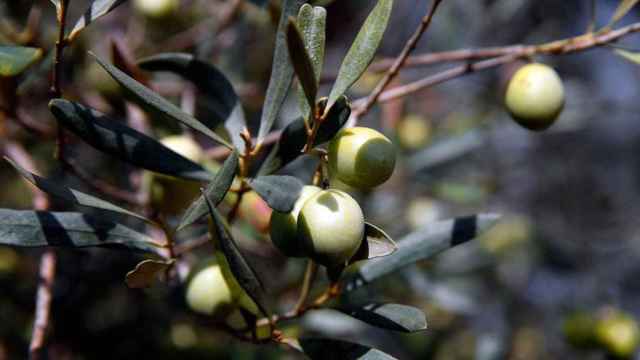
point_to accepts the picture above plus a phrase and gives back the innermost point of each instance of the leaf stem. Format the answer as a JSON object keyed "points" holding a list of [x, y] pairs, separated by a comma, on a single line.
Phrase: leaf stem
{"points": [[309, 276]]}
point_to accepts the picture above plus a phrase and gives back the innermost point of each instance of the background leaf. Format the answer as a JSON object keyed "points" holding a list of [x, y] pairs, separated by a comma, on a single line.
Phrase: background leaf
{"points": [[219, 99], [312, 23], [146, 273], [240, 268], [281, 72], [336, 349], [632, 56], [123, 142], [302, 64], [623, 8], [26, 228], [16, 59], [294, 136], [362, 50], [96, 10], [376, 244], [394, 317], [279, 191], [71, 195], [423, 244], [156, 104], [215, 192]]}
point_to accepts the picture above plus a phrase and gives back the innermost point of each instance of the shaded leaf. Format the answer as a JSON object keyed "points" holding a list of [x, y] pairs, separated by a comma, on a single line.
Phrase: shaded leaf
{"points": [[279, 191], [96, 10], [425, 243], [146, 273], [220, 100], [16, 59], [240, 268], [74, 196], [294, 136], [215, 191], [394, 317], [156, 104], [623, 8], [27, 228], [632, 56], [336, 349], [312, 23], [302, 64], [123, 142], [376, 244], [281, 71], [362, 50]]}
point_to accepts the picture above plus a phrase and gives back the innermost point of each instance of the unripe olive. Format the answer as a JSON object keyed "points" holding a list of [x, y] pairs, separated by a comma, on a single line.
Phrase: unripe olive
{"points": [[618, 333], [535, 96], [255, 211], [284, 227], [413, 132], [208, 292], [361, 157], [331, 227], [156, 8]]}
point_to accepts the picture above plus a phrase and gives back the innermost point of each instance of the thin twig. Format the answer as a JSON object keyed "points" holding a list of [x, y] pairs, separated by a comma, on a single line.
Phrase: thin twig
{"points": [[43, 303], [309, 276]]}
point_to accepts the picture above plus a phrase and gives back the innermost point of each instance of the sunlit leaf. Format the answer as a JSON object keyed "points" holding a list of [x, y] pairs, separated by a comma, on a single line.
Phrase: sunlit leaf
{"points": [[376, 244], [337, 349], [281, 72], [26, 228], [146, 273], [623, 8], [215, 191], [279, 191], [156, 104], [96, 10], [217, 95], [71, 195], [425, 243], [123, 142], [16, 59], [632, 56], [394, 317], [362, 50]]}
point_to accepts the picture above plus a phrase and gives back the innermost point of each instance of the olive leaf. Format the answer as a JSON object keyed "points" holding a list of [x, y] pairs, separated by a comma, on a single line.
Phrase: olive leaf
{"points": [[302, 64], [395, 317], [123, 142], [155, 103], [376, 243], [279, 191], [362, 50], [146, 273], [281, 72], [425, 243], [238, 265], [72, 195], [215, 192], [294, 136], [623, 8], [312, 23], [27, 228], [631, 56], [316, 348], [14, 60], [96, 10], [219, 99]]}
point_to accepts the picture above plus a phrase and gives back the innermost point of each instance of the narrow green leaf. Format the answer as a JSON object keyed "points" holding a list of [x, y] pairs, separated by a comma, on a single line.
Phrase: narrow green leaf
{"points": [[215, 192], [279, 191], [425, 243], [16, 59], [336, 349], [123, 142], [240, 268], [155, 103], [26, 228], [593, 12], [376, 244], [362, 50], [632, 56], [623, 8], [96, 10], [146, 273], [312, 23], [281, 72], [394, 317], [294, 136], [219, 100], [302, 64], [74, 196]]}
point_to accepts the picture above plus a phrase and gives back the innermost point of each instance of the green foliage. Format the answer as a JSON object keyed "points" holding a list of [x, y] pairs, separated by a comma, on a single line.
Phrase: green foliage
{"points": [[395, 317], [336, 349], [96, 10], [279, 191], [14, 60]]}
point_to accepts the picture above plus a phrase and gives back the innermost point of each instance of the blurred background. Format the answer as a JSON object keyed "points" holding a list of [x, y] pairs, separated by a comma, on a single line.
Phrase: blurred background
{"points": [[561, 266]]}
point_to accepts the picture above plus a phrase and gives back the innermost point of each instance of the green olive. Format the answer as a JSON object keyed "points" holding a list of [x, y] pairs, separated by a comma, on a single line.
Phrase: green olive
{"points": [[331, 227], [284, 226], [535, 96], [618, 333], [413, 132], [156, 9], [361, 157], [208, 292]]}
